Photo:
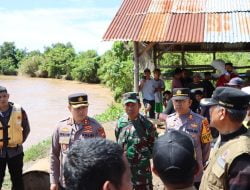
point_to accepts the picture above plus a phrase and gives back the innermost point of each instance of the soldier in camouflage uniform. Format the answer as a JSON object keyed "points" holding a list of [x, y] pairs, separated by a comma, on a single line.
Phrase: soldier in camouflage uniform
{"points": [[136, 135]]}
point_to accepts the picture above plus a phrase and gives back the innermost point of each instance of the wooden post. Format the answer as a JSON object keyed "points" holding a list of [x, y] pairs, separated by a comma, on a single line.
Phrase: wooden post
{"points": [[214, 55], [182, 59], [136, 67], [154, 58]]}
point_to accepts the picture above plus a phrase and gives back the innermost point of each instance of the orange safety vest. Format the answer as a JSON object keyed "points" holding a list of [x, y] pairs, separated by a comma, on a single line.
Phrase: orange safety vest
{"points": [[15, 129]]}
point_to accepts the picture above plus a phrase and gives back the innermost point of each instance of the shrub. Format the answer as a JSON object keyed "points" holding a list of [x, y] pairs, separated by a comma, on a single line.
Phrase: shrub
{"points": [[85, 66], [29, 66], [7, 67], [118, 76], [86, 71]]}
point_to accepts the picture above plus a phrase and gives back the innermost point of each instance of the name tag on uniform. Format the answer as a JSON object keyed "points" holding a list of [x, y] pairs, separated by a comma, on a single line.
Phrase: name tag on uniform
{"points": [[88, 131], [221, 162], [64, 136]]}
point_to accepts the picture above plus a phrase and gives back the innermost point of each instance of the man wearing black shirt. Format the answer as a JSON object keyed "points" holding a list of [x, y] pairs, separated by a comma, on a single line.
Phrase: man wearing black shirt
{"points": [[229, 161]]}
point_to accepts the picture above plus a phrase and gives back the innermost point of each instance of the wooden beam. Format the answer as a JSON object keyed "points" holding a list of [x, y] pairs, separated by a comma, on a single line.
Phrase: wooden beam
{"points": [[203, 48], [214, 55], [160, 53], [154, 58], [148, 47], [182, 59], [136, 67]]}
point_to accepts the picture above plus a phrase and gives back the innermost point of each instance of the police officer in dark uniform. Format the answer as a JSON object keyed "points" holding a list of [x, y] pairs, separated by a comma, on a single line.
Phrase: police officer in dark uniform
{"points": [[184, 119], [14, 130], [78, 126], [229, 160]]}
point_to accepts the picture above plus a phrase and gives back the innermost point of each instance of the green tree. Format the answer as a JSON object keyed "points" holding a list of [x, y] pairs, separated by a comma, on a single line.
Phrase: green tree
{"points": [[58, 58], [116, 69], [7, 67], [30, 65], [85, 66], [9, 58]]}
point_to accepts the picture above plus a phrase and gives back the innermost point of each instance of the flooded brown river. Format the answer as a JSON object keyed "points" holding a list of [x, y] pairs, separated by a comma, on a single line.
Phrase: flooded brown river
{"points": [[45, 101]]}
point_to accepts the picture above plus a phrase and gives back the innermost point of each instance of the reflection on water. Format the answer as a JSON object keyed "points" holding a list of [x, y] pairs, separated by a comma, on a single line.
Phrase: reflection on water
{"points": [[45, 101]]}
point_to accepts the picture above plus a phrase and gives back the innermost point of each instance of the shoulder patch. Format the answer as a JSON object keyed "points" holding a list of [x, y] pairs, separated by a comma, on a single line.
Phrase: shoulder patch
{"points": [[101, 132], [206, 136]]}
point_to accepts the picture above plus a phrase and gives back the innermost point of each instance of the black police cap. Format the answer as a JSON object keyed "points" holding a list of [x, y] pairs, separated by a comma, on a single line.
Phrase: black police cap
{"points": [[228, 97], [181, 93], [3, 89], [77, 100]]}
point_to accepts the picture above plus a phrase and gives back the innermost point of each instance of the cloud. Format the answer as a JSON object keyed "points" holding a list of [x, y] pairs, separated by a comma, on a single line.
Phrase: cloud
{"points": [[34, 29]]}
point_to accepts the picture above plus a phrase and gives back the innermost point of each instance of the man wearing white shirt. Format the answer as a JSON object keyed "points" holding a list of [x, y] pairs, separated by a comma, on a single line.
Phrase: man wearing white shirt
{"points": [[146, 86]]}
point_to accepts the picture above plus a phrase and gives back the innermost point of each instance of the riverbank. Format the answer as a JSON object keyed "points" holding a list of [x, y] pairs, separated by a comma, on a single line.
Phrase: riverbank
{"points": [[45, 101]]}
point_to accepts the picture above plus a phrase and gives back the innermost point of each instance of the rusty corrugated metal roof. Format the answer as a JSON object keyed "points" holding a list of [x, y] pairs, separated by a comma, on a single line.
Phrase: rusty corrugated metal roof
{"points": [[181, 21]]}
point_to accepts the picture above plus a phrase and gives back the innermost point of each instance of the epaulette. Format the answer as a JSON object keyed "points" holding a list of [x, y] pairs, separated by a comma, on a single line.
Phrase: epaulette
{"points": [[172, 114], [65, 119], [197, 115]]}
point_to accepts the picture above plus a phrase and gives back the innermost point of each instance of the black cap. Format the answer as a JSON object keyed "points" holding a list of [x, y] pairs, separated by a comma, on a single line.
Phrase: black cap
{"points": [[228, 97], [78, 100], [131, 97], [146, 70], [3, 89], [174, 156], [181, 93]]}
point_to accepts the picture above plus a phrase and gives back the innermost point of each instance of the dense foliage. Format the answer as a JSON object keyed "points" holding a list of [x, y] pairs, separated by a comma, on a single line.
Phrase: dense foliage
{"points": [[114, 68]]}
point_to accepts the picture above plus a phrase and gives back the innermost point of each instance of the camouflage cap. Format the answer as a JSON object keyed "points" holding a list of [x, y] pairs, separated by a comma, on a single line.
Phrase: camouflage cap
{"points": [[131, 97]]}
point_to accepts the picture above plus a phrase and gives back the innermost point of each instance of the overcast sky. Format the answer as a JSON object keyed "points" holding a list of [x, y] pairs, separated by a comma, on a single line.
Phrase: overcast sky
{"points": [[34, 24]]}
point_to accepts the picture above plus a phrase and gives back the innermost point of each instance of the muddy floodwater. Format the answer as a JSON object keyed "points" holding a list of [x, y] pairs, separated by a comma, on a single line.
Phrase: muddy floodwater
{"points": [[45, 101]]}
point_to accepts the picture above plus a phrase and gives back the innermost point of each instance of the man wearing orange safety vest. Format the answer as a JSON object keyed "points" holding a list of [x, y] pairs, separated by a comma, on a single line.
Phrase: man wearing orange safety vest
{"points": [[14, 129]]}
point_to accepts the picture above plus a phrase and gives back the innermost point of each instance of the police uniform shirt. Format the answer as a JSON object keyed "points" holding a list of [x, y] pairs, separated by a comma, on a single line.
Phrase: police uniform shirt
{"points": [[197, 127], [64, 136]]}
